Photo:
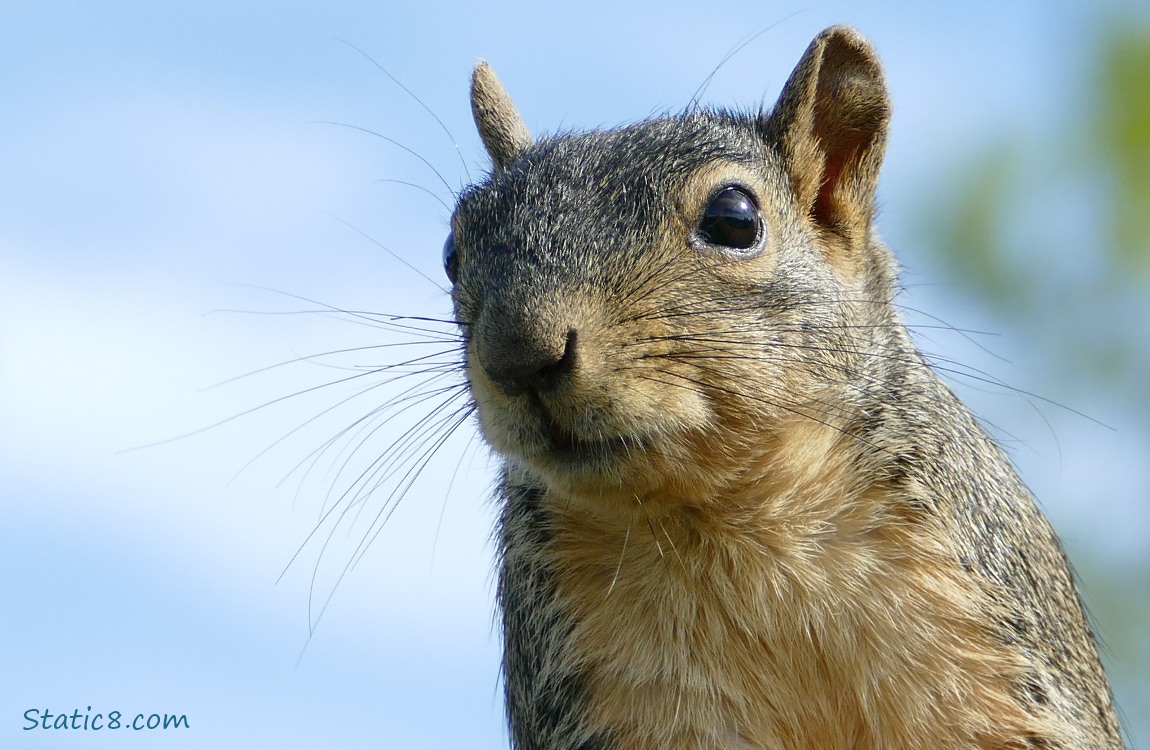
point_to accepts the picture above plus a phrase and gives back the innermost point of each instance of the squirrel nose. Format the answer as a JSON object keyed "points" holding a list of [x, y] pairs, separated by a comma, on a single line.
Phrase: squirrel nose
{"points": [[522, 366]]}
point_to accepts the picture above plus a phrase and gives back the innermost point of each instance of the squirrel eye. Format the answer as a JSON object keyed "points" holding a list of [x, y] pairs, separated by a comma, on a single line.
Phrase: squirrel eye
{"points": [[731, 220], [450, 265]]}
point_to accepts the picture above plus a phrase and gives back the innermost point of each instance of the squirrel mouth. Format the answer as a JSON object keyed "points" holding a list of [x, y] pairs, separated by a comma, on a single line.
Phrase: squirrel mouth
{"points": [[562, 439], [565, 444]]}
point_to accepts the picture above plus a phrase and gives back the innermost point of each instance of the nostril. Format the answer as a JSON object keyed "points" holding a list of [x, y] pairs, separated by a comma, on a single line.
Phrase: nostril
{"points": [[565, 363], [525, 366]]}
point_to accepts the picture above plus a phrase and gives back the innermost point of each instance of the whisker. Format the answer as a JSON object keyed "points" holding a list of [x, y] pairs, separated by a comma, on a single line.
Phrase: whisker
{"points": [[312, 357], [417, 187], [421, 103], [378, 523], [622, 554], [371, 317], [395, 143], [388, 250], [693, 103]]}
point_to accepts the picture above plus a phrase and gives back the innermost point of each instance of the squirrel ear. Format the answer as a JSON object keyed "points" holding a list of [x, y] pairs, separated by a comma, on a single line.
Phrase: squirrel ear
{"points": [[831, 122], [502, 130]]}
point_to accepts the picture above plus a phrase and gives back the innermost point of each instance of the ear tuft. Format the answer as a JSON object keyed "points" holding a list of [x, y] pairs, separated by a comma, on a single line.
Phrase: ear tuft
{"points": [[500, 126], [831, 121]]}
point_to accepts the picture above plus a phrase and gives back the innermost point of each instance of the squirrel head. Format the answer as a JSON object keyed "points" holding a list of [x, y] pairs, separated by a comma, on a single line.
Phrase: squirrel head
{"points": [[639, 300]]}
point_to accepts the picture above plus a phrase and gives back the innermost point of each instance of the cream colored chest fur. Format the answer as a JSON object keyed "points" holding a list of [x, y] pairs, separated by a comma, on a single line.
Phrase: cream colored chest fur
{"points": [[801, 618]]}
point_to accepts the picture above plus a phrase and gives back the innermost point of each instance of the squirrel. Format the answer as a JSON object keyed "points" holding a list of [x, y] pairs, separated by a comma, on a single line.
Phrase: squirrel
{"points": [[738, 509]]}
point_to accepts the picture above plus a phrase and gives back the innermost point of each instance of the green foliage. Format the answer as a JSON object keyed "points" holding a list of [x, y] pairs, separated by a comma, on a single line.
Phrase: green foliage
{"points": [[1123, 129], [972, 237]]}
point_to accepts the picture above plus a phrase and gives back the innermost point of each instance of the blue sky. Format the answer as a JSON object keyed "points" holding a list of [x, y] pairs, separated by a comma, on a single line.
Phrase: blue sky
{"points": [[163, 161]]}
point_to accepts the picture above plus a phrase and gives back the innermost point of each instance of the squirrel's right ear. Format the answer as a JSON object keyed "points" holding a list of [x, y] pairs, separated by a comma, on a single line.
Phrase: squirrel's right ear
{"points": [[831, 121], [500, 126]]}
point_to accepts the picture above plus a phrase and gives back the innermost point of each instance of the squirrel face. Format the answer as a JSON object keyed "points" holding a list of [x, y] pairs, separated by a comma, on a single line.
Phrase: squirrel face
{"points": [[639, 300]]}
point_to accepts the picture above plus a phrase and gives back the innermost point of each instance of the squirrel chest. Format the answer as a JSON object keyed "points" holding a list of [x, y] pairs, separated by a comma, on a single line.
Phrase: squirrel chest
{"points": [[800, 611], [738, 508]]}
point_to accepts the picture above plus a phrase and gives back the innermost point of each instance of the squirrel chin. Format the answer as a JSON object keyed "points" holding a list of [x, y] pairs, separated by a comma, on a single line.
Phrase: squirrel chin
{"points": [[562, 459], [648, 473]]}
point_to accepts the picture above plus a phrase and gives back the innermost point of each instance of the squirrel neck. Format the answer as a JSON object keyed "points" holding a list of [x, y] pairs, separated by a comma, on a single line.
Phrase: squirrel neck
{"points": [[771, 604]]}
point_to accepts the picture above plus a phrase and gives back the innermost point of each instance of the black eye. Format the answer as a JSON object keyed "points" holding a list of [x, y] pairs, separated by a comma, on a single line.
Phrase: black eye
{"points": [[449, 262], [731, 220]]}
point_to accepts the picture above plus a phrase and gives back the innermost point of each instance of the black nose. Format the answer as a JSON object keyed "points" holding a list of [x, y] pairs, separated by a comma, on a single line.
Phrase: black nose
{"points": [[521, 365]]}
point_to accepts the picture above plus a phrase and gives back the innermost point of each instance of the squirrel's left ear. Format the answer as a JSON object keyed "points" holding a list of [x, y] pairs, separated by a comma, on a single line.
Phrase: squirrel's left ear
{"points": [[831, 121], [501, 128]]}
